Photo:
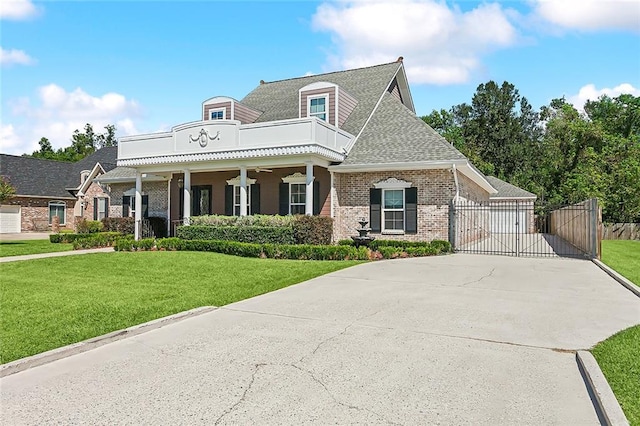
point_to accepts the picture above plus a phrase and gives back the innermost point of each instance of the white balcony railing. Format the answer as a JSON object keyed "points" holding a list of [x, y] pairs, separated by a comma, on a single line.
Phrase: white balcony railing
{"points": [[220, 136]]}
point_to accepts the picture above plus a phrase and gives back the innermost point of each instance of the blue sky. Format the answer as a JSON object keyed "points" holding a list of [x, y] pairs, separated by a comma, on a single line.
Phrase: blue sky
{"points": [[146, 66]]}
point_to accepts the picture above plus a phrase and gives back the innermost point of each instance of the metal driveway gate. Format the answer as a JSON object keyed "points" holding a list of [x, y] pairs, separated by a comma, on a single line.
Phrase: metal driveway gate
{"points": [[519, 228]]}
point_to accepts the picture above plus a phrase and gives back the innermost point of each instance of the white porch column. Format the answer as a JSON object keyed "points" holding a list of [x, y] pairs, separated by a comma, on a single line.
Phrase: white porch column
{"points": [[186, 216], [138, 211], [243, 191], [308, 208]]}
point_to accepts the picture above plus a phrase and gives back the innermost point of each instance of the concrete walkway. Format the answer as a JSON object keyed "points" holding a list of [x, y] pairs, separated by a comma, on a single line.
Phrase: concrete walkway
{"points": [[22, 236], [55, 254], [457, 339]]}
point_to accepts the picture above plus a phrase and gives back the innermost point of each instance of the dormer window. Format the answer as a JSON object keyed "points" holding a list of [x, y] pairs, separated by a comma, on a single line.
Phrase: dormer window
{"points": [[217, 114], [318, 106]]}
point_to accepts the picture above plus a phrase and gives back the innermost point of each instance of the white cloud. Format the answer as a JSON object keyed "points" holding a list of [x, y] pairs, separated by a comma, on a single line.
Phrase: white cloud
{"points": [[17, 9], [441, 44], [56, 113], [591, 15], [14, 57], [589, 92]]}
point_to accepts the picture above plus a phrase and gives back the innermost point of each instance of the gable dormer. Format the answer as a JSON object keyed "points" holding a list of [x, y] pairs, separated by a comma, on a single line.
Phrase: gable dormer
{"points": [[326, 101], [225, 108]]}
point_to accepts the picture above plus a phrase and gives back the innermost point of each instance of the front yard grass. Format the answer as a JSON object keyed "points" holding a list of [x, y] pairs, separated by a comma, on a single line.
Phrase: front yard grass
{"points": [[19, 248], [624, 257], [618, 356], [48, 303]]}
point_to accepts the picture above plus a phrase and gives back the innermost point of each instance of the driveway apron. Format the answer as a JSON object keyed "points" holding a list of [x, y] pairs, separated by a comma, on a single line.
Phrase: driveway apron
{"points": [[457, 339]]}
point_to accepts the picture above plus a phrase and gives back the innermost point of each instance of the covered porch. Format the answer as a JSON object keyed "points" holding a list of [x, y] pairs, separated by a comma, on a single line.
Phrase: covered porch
{"points": [[232, 169]]}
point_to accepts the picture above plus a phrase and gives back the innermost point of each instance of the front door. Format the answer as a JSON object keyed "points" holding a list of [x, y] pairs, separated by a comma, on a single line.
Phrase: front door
{"points": [[200, 201]]}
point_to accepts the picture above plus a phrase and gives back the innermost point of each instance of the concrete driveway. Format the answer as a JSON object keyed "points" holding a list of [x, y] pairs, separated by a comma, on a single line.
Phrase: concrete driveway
{"points": [[445, 340]]}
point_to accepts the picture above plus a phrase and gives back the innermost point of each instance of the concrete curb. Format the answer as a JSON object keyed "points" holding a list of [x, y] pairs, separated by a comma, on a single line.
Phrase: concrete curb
{"points": [[606, 403], [616, 276], [95, 342]]}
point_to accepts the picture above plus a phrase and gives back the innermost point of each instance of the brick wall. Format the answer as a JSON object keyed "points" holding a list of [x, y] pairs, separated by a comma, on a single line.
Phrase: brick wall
{"points": [[436, 189], [35, 213], [91, 193], [157, 192]]}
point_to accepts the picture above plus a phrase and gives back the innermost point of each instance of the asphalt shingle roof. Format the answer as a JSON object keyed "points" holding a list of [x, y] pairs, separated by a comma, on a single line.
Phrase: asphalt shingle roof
{"points": [[396, 135], [119, 173], [507, 190], [279, 99], [49, 178]]}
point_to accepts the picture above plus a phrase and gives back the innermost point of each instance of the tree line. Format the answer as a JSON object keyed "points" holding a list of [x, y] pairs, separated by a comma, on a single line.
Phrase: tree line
{"points": [[559, 153], [82, 144]]}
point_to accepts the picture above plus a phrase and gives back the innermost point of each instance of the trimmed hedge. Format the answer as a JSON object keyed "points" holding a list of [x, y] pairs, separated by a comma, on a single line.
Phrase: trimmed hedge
{"points": [[440, 246], [245, 234], [123, 225], [251, 220], [102, 239], [71, 238], [85, 226], [281, 251], [315, 230]]}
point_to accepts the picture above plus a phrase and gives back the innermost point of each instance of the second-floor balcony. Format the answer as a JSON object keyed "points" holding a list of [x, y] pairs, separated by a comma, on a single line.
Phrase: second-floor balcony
{"points": [[229, 139]]}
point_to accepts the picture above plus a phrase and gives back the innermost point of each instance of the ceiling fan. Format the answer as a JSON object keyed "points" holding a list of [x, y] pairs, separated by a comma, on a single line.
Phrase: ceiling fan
{"points": [[262, 169]]}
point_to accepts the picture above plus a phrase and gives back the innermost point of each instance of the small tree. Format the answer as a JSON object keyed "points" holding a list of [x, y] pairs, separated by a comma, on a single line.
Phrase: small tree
{"points": [[6, 189]]}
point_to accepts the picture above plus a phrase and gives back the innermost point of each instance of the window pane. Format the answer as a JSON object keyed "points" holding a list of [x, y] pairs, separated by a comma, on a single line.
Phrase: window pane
{"points": [[393, 199], [297, 209], [394, 220]]}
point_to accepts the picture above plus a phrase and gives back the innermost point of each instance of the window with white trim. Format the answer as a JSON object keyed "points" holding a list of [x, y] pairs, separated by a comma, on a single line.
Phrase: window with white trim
{"points": [[297, 198], [393, 210], [317, 106], [101, 206], [57, 208], [217, 114]]}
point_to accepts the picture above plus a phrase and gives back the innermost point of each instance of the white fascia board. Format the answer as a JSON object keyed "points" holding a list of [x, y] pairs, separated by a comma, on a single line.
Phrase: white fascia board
{"points": [[529, 197], [240, 154], [218, 99], [375, 108], [317, 85], [414, 165], [87, 183], [476, 177], [149, 178]]}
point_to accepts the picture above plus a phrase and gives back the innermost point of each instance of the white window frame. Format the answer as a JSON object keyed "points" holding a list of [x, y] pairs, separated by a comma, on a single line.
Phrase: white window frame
{"points": [[216, 110], [326, 107], [296, 179], [106, 207], [235, 182], [62, 204], [384, 211], [303, 203]]}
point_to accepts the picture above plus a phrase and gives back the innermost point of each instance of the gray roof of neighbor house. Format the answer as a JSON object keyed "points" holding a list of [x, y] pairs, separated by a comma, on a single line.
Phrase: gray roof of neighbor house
{"points": [[119, 173], [49, 178], [396, 135], [507, 190], [279, 99]]}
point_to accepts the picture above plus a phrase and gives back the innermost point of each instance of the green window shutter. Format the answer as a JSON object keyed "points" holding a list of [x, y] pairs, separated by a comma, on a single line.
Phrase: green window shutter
{"points": [[411, 210], [126, 205], [284, 199], [375, 213], [228, 200], [255, 198], [316, 198], [145, 206]]}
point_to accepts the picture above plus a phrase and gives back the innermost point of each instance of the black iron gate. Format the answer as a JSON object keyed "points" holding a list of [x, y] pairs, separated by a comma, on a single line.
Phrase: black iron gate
{"points": [[520, 228]]}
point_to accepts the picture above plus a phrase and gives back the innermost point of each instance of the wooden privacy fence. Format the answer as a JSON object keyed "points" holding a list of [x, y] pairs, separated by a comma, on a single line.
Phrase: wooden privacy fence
{"points": [[621, 231], [579, 225]]}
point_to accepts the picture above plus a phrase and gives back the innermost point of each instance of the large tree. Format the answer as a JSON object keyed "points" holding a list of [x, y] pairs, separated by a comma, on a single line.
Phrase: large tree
{"points": [[82, 144]]}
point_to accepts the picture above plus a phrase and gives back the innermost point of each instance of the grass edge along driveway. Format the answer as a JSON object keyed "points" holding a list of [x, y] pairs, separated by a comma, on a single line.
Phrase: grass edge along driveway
{"points": [[24, 247], [49, 303], [619, 355]]}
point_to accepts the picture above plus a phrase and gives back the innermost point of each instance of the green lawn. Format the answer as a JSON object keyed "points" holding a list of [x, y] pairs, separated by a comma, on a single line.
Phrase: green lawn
{"points": [[48, 303], [624, 257], [619, 355], [19, 248]]}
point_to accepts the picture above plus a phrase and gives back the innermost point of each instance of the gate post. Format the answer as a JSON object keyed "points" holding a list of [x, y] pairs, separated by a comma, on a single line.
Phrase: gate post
{"points": [[517, 229], [452, 225], [593, 227]]}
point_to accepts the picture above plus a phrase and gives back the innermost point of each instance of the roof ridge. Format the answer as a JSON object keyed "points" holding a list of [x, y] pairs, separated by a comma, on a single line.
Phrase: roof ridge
{"points": [[331, 72], [40, 159]]}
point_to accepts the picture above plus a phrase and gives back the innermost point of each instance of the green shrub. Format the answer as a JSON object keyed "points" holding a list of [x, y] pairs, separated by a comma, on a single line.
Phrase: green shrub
{"points": [[346, 242], [124, 244], [171, 244], [123, 225], [251, 220], [55, 238], [247, 234], [316, 230], [70, 238], [442, 246], [102, 239], [89, 226]]}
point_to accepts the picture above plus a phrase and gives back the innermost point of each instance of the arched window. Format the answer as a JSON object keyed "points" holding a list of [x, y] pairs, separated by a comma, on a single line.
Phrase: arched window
{"points": [[57, 208]]}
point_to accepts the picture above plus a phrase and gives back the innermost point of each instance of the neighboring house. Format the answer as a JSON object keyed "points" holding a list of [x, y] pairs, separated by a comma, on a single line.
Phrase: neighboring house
{"points": [[48, 188], [343, 144]]}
